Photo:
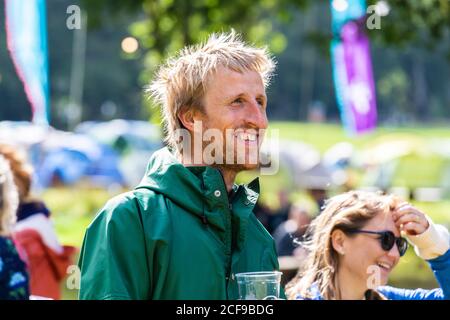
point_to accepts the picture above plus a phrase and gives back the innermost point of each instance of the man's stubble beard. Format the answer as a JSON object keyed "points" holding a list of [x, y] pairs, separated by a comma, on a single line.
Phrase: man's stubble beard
{"points": [[236, 165]]}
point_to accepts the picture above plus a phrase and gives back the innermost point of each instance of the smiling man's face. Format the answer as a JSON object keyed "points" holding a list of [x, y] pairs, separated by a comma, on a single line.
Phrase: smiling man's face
{"points": [[235, 104]]}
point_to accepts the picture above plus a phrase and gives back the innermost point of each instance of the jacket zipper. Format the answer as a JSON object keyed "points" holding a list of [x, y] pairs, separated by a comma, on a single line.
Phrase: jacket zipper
{"points": [[230, 208]]}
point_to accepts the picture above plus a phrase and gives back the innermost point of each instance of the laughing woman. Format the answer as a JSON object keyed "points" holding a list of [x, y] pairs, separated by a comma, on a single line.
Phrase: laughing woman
{"points": [[356, 242]]}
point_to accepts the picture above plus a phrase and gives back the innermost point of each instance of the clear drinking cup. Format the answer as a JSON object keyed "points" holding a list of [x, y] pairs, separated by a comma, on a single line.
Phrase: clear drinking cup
{"points": [[263, 285]]}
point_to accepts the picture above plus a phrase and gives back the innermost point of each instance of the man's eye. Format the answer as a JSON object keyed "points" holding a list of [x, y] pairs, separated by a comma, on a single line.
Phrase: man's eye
{"points": [[238, 101]]}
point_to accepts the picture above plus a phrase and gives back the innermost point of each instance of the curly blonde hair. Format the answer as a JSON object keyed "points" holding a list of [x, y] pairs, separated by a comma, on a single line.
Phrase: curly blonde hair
{"points": [[22, 171], [348, 211], [9, 198], [182, 81]]}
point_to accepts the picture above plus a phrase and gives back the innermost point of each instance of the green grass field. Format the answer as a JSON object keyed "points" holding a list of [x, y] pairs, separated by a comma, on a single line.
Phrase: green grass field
{"points": [[74, 209], [323, 136]]}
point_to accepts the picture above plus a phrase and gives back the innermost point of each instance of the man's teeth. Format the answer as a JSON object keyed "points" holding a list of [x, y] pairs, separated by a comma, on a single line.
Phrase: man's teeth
{"points": [[247, 136], [384, 265]]}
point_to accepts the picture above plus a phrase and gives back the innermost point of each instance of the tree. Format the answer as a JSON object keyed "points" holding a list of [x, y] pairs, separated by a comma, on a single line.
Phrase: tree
{"points": [[167, 25], [420, 23], [164, 26]]}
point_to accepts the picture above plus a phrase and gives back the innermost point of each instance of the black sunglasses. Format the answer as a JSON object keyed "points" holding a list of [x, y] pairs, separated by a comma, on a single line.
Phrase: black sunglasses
{"points": [[387, 240]]}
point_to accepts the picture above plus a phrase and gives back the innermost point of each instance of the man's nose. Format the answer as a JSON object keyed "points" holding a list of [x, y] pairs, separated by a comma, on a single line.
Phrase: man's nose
{"points": [[256, 115]]}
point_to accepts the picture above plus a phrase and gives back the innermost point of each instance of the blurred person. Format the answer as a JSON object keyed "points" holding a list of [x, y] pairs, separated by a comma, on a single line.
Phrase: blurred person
{"points": [[13, 274], [271, 219], [263, 214], [356, 242], [34, 233], [282, 214], [290, 233], [187, 229], [319, 195]]}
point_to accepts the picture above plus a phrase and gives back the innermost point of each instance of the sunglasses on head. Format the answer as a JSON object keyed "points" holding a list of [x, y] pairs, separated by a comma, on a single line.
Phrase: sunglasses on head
{"points": [[387, 240]]}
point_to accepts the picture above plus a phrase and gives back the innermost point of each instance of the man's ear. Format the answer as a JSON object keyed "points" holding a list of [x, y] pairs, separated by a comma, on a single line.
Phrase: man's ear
{"points": [[338, 241], [187, 117]]}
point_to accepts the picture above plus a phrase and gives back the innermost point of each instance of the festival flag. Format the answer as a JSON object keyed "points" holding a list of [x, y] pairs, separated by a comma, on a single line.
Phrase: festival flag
{"points": [[26, 32], [352, 67]]}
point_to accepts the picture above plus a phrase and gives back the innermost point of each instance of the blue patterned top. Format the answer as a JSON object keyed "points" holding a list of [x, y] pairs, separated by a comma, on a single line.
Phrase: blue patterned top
{"points": [[13, 274]]}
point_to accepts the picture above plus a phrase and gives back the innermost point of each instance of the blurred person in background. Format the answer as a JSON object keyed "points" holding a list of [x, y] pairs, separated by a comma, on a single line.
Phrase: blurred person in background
{"points": [[319, 196], [357, 241], [290, 233], [282, 214], [271, 219], [13, 274], [47, 260], [263, 213]]}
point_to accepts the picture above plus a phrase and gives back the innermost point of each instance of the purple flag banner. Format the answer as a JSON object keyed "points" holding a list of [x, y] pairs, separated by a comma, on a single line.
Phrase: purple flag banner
{"points": [[354, 79]]}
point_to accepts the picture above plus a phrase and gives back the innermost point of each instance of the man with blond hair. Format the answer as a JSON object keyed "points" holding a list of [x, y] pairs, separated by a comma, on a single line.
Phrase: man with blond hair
{"points": [[187, 229]]}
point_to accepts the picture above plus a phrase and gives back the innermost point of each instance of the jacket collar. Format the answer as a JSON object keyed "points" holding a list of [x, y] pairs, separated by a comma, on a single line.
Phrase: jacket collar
{"points": [[201, 191]]}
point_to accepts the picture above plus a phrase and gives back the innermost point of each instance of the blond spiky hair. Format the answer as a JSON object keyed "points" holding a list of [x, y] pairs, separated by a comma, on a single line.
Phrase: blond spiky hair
{"points": [[9, 198], [182, 81]]}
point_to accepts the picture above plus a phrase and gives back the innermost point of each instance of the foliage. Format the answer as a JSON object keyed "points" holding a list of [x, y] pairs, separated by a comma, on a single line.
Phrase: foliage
{"points": [[167, 25], [421, 23], [108, 76], [409, 47], [289, 28]]}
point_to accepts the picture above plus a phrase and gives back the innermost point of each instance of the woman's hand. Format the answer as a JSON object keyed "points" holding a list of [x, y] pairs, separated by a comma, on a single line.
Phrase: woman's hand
{"points": [[430, 240], [410, 219]]}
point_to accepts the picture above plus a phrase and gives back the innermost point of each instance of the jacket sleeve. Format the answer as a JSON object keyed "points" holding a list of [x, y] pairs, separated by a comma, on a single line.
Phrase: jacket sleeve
{"points": [[113, 259], [441, 270]]}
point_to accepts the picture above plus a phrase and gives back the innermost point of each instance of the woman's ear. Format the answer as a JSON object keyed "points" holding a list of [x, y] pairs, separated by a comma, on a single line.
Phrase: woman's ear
{"points": [[338, 241]]}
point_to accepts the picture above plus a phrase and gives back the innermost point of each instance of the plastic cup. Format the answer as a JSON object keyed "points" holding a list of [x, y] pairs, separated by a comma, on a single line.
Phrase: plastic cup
{"points": [[263, 285]]}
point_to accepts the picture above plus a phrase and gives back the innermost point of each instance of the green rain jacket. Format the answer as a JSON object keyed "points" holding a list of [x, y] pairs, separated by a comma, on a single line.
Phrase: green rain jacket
{"points": [[176, 236]]}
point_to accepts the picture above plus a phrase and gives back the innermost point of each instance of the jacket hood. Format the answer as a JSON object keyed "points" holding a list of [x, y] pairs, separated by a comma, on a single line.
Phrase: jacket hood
{"points": [[198, 189]]}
